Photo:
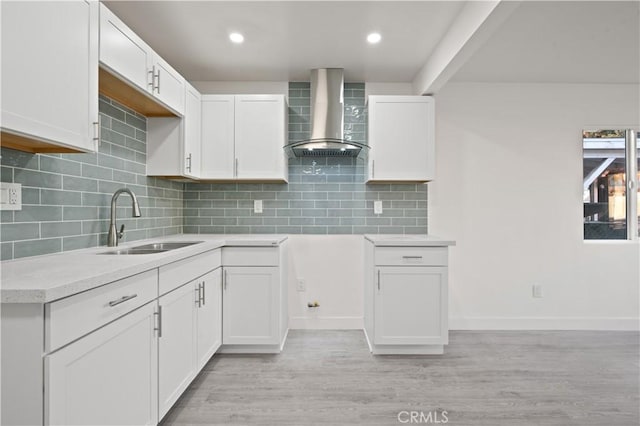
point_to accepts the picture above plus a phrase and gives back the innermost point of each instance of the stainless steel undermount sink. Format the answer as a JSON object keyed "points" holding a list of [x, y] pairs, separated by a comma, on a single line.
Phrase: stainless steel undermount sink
{"points": [[152, 248], [172, 245], [132, 251]]}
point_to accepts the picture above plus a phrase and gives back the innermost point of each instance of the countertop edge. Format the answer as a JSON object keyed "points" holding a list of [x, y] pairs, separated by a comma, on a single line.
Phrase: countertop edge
{"points": [[16, 295]]}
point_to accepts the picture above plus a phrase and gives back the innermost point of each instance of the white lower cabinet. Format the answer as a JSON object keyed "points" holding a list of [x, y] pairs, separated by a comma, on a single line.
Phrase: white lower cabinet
{"points": [[408, 305], [190, 325], [251, 302], [406, 299], [108, 377], [176, 345], [209, 316], [255, 299]]}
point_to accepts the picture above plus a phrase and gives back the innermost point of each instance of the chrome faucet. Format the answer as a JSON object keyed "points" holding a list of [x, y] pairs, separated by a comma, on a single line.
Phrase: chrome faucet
{"points": [[114, 235]]}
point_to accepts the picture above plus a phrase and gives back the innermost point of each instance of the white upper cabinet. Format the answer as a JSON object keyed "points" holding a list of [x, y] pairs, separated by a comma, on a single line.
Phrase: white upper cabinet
{"points": [[126, 56], [218, 156], [401, 139], [192, 131], [243, 138], [123, 53], [50, 76], [173, 143], [260, 135], [168, 84]]}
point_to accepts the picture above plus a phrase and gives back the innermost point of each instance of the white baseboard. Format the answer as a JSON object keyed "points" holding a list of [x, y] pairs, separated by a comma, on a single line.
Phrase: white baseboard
{"points": [[326, 323], [545, 323]]}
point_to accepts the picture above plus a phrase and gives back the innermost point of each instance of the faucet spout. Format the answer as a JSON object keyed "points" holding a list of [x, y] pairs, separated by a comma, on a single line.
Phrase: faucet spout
{"points": [[114, 236]]}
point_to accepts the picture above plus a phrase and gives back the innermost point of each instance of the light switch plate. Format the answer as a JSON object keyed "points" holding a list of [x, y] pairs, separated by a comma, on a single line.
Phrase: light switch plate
{"points": [[377, 207], [10, 196], [257, 206]]}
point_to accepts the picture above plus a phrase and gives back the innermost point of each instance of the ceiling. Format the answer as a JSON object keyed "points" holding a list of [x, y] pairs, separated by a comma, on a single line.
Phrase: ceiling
{"points": [[542, 41], [285, 39], [562, 42]]}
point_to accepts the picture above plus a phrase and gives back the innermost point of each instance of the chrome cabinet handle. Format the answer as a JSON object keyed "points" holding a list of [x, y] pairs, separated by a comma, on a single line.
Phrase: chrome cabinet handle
{"points": [[198, 297], [122, 300], [158, 86], [188, 167], [412, 257], [235, 172], [153, 77], [97, 130], [204, 296], [378, 279], [159, 315], [373, 169]]}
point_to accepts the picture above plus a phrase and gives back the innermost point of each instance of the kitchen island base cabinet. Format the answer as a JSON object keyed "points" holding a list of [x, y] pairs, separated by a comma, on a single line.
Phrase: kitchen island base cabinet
{"points": [[406, 299], [107, 377]]}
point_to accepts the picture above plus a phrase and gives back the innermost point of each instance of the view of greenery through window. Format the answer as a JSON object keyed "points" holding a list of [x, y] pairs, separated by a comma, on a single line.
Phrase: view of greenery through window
{"points": [[605, 184]]}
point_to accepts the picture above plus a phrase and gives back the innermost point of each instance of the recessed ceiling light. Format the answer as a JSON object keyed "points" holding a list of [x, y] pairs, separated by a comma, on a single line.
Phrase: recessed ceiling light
{"points": [[236, 37], [374, 38]]}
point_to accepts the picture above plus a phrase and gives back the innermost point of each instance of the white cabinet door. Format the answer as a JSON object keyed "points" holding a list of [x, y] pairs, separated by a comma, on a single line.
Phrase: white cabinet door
{"points": [[410, 305], [168, 85], [401, 138], [251, 305], [123, 53], [50, 72], [209, 316], [177, 345], [108, 377], [260, 135], [192, 131], [217, 155]]}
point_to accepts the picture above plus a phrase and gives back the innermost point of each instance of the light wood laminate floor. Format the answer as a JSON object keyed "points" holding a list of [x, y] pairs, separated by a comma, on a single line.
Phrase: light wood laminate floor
{"points": [[484, 378]]}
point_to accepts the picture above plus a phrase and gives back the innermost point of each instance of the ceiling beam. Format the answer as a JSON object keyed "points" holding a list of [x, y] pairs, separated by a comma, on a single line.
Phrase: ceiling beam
{"points": [[470, 30]]}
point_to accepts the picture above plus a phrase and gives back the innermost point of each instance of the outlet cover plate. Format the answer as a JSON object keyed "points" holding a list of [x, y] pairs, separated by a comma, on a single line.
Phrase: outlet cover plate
{"points": [[10, 196]]}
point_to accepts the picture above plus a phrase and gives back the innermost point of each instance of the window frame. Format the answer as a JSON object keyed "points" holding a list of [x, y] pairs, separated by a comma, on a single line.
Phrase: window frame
{"points": [[631, 169]]}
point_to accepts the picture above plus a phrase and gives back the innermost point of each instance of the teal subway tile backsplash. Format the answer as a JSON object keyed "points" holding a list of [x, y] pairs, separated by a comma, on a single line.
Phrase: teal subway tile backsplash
{"points": [[66, 197], [323, 196]]}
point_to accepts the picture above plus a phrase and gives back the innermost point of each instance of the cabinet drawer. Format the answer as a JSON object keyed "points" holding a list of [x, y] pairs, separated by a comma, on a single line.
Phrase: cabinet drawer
{"points": [[75, 316], [250, 256], [420, 256], [177, 273]]}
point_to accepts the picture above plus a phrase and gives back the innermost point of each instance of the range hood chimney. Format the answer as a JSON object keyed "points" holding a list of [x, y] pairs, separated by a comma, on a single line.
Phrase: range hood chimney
{"points": [[327, 119]]}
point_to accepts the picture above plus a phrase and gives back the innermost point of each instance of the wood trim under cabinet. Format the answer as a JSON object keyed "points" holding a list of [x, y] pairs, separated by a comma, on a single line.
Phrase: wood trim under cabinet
{"points": [[26, 144], [116, 89]]}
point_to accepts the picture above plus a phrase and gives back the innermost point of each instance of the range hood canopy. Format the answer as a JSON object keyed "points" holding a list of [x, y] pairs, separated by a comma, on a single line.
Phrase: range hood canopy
{"points": [[327, 119]]}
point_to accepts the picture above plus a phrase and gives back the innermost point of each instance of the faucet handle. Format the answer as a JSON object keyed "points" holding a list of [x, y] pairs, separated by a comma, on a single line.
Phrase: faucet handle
{"points": [[121, 233]]}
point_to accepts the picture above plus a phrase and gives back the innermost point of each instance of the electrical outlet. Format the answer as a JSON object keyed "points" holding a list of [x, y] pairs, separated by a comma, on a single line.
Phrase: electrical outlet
{"points": [[10, 196], [537, 291], [377, 207], [257, 206], [302, 285]]}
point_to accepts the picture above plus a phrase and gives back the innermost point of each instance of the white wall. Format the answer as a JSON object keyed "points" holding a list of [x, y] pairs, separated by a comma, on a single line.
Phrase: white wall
{"points": [[333, 269], [242, 87], [508, 189]]}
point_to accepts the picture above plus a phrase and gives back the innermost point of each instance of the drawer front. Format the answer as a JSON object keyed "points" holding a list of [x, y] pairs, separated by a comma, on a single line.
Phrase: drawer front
{"points": [[417, 256], [250, 256], [177, 273], [75, 316]]}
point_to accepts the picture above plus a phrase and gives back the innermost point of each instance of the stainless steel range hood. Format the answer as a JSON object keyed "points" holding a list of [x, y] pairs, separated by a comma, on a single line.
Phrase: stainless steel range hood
{"points": [[327, 119]]}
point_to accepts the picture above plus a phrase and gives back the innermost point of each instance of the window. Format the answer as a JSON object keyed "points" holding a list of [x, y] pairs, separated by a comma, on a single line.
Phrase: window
{"points": [[611, 201]]}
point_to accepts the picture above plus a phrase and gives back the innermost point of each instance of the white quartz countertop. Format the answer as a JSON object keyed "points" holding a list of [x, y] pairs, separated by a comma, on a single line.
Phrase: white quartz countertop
{"points": [[417, 240], [42, 279]]}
